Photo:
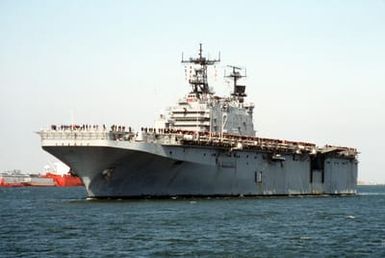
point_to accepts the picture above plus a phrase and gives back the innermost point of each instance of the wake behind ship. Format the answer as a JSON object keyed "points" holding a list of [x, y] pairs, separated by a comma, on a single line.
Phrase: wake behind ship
{"points": [[204, 146]]}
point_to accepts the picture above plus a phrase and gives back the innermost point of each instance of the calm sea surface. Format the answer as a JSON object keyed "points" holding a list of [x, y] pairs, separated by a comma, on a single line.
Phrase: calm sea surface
{"points": [[57, 222]]}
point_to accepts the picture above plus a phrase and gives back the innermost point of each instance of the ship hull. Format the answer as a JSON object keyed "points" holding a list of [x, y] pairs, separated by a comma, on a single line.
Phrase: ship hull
{"points": [[154, 170]]}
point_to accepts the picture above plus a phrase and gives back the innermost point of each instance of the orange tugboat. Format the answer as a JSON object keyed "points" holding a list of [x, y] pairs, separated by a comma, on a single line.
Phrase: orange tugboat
{"points": [[66, 180], [61, 175]]}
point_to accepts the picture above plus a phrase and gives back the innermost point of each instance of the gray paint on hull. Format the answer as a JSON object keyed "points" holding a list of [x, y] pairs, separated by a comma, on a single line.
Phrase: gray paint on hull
{"points": [[155, 170]]}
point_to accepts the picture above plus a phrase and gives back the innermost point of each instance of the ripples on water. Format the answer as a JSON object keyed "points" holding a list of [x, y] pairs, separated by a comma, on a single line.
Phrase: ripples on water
{"points": [[43, 222]]}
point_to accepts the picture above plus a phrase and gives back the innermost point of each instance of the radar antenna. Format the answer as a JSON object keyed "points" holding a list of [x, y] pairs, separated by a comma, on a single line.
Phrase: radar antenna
{"points": [[239, 90], [198, 78]]}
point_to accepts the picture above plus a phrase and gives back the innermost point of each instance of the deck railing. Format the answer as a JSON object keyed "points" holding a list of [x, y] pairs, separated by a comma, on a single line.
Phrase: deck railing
{"points": [[181, 137]]}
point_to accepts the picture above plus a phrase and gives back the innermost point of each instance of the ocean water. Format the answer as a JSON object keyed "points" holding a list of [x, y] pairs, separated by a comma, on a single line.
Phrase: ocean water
{"points": [[60, 222]]}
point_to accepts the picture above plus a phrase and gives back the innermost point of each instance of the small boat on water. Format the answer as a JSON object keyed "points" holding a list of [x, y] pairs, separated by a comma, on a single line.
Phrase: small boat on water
{"points": [[57, 175], [16, 178]]}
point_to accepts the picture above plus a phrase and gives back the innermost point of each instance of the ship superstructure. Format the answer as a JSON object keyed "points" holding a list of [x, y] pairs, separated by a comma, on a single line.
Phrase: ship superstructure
{"points": [[204, 146], [201, 111]]}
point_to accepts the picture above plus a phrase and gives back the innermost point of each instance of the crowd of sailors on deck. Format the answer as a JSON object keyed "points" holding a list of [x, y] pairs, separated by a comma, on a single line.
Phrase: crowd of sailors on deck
{"points": [[170, 131], [122, 129], [88, 127]]}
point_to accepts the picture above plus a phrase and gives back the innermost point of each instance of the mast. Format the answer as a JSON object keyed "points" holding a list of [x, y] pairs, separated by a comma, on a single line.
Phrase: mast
{"points": [[238, 90], [198, 78]]}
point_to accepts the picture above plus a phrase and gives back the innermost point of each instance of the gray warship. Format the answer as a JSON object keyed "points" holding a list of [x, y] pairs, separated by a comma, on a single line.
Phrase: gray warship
{"points": [[205, 145]]}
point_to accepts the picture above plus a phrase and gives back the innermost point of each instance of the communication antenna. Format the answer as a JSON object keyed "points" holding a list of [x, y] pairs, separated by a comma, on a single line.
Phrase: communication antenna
{"points": [[198, 79], [238, 90]]}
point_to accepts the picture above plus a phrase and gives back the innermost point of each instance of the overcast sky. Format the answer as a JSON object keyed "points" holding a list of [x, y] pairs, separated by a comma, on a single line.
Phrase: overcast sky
{"points": [[316, 69]]}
